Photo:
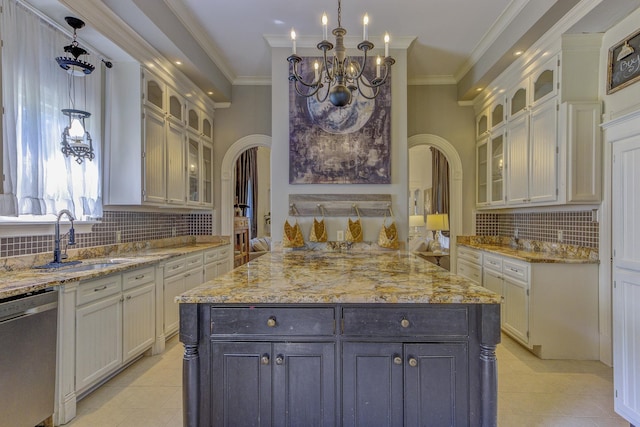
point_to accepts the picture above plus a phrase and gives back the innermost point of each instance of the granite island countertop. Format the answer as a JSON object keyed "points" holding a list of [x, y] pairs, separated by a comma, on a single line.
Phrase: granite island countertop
{"points": [[311, 277], [19, 277]]}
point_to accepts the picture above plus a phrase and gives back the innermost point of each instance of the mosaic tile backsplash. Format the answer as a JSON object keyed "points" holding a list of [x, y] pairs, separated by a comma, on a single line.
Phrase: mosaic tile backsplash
{"points": [[130, 226], [579, 228]]}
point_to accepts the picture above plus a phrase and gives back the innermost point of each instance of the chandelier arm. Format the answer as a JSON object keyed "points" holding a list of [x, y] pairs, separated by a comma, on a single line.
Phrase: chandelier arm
{"points": [[378, 81], [298, 78], [326, 94], [375, 93], [364, 63], [306, 94]]}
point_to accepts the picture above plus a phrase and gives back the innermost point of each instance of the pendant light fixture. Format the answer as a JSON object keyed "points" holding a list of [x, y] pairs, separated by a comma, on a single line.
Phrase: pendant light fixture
{"points": [[339, 77], [76, 140]]}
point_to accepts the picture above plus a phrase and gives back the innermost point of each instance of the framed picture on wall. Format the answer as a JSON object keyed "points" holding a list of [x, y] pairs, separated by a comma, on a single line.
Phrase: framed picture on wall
{"points": [[624, 63], [333, 145]]}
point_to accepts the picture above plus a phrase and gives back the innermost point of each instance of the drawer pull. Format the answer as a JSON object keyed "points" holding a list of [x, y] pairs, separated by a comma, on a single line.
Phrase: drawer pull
{"points": [[187, 275], [271, 321], [397, 360], [404, 323], [128, 297], [264, 360], [102, 288], [280, 360], [413, 362], [138, 277], [175, 267]]}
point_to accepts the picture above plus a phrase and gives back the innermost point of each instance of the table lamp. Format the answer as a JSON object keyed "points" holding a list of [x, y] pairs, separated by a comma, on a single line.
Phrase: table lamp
{"points": [[437, 222], [416, 221]]}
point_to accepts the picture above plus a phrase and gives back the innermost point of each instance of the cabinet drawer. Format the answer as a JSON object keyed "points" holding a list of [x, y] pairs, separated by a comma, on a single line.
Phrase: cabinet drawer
{"points": [[211, 256], [380, 321], [493, 262], [469, 254], [99, 288], [272, 321], [193, 261], [175, 266], [470, 271], [139, 277], [516, 270]]}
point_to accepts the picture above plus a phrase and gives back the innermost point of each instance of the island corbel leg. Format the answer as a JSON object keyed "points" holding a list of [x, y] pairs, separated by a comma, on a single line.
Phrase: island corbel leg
{"points": [[489, 339], [190, 365]]}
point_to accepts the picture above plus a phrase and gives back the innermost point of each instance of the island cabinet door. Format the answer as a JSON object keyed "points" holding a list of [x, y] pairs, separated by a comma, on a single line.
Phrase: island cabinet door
{"points": [[241, 373], [436, 384], [304, 391], [372, 389]]}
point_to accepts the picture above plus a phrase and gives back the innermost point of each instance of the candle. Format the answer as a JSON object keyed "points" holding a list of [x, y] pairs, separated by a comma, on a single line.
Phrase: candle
{"points": [[324, 26], [378, 61], [293, 39], [365, 23], [386, 45], [316, 70]]}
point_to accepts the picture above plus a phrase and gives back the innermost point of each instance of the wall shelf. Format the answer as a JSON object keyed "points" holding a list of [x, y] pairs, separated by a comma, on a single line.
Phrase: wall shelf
{"points": [[340, 205]]}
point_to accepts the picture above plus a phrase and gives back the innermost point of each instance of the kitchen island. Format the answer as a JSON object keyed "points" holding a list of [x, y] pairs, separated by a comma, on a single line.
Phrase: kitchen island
{"points": [[339, 339]]}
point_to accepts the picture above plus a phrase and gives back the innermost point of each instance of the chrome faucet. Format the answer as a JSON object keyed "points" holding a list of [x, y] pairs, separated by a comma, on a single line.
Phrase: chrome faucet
{"points": [[57, 256]]}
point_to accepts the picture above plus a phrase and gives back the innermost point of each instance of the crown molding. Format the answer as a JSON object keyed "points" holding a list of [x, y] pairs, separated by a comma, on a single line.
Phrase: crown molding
{"points": [[279, 40], [432, 81]]}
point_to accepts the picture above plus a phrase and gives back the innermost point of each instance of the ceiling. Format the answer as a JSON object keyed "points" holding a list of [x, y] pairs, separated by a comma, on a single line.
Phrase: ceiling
{"points": [[221, 43]]}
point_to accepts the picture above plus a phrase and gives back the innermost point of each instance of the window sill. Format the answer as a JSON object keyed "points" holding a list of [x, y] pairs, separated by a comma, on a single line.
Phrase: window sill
{"points": [[13, 227]]}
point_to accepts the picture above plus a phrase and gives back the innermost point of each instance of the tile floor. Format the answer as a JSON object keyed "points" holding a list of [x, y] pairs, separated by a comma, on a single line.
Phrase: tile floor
{"points": [[531, 392]]}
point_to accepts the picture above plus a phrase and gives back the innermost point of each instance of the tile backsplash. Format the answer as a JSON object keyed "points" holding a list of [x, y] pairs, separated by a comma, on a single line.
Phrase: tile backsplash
{"points": [[579, 228], [131, 227]]}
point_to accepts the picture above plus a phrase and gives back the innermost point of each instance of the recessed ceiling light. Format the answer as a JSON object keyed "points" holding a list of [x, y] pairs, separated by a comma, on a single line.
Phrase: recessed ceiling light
{"points": [[178, 62], [518, 53], [479, 89], [278, 22], [210, 92]]}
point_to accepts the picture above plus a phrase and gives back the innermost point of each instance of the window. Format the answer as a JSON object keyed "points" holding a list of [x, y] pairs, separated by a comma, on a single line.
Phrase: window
{"points": [[38, 179]]}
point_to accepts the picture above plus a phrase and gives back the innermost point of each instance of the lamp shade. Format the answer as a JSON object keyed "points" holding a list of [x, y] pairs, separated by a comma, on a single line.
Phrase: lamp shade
{"points": [[416, 221], [438, 222]]}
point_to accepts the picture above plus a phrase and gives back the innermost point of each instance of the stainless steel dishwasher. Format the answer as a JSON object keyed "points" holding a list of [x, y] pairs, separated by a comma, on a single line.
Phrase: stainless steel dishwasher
{"points": [[28, 331]]}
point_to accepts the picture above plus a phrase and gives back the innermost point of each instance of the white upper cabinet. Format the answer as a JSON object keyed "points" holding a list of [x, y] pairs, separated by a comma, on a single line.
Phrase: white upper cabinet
{"points": [[550, 134], [149, 155]]}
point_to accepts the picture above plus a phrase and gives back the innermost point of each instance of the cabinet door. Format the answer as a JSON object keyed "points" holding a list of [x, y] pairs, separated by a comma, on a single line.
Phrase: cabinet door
{"points": [[98, 340], [138, 319], [173, 286], [241, 372], [193, 278], [496, 167], [482, 172], [492, 280], [543, 153], [194, 169], [517, 167], [436, 385], [207, 174], [304, 384], [175, 164], [210, 271], [372, 389], [155, 184], [223, 266], [516, 309]]}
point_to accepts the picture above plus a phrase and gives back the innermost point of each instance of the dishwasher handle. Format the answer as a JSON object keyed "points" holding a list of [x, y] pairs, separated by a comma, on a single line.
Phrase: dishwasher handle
{"points": [[30, 312]]}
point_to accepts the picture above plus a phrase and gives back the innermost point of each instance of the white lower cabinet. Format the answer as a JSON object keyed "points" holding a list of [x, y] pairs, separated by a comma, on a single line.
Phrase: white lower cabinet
{"points": [[551, 308], [217, 261], [180, 275], [470, 264], [115, 322]]}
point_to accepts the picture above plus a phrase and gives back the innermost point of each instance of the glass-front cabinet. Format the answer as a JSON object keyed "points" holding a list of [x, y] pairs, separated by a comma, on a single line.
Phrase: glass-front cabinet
{"points": [[200, 157], [482, 189], [496, 162], [194, 169]]}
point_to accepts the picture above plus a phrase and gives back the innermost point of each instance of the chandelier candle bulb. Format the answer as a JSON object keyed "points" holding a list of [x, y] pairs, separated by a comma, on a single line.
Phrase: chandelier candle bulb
{"points": [[378, 60], [316, 70], [386, 45], [324, 26], [365, 25], [293, 40]]}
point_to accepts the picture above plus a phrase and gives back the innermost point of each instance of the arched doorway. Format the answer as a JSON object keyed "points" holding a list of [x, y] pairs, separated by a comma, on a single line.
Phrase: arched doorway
{"points": [[455, 170], [228, 177]]}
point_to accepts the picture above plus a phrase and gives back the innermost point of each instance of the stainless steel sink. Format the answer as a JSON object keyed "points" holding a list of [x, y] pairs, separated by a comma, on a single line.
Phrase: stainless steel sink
{"points": [[75, 266]]}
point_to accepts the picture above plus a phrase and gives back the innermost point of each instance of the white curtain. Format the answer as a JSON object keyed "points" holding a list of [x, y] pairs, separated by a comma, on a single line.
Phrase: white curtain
{"points": [[39, 179]]}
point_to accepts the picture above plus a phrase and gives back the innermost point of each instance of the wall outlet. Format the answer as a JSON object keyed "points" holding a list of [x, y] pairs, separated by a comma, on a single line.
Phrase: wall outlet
{"points": [[118, 236], [560, 236], [340, 236]]}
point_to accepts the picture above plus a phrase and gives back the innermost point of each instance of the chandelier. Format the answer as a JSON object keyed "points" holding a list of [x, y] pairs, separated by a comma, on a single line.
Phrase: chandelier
{"points": [[339, 77], [76, 140]]}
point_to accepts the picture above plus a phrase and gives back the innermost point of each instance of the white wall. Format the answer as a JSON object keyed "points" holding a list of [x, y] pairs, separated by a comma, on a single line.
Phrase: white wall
{"points": [[280, 155]]}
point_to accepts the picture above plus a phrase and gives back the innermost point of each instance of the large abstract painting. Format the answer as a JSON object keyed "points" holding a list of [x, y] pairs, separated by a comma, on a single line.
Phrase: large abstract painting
{"points": [[348, 145]]}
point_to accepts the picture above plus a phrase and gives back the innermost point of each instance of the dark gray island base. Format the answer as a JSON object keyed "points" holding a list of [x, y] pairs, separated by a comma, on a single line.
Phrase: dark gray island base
{"points": [[340, 364]]}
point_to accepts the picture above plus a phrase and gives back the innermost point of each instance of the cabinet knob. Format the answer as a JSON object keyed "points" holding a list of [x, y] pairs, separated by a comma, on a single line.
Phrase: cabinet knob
{"points": [[404, 323], [279, 359], [397, 360], [264, 360], [413, 362], [271, 321]]}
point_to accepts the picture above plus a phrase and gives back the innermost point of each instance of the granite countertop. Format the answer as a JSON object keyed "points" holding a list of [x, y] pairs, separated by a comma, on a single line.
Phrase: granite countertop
{"points": [[19, 277], [532, 251], [308, 277]]}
